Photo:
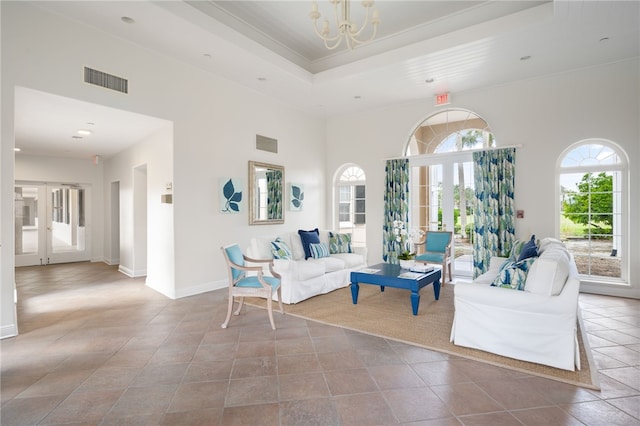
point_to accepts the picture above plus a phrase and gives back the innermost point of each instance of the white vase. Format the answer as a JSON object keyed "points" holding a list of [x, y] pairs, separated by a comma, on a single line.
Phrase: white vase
{"points": [[406, 264]]}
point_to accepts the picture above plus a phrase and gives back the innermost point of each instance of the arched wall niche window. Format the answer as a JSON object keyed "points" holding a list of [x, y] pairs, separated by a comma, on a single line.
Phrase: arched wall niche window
{"points": [[592, 178], [350, 203], [442, 181]]}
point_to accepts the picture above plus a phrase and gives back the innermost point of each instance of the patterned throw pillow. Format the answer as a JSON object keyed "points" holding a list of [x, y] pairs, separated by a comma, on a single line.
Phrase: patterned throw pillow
{"points": [[513, 275], [516, 248], [318, 250], [280, 249], [339, 243]]}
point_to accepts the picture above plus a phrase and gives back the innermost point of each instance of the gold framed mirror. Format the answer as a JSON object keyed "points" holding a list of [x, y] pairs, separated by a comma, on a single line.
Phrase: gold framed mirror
{"points": [[266, 193]]}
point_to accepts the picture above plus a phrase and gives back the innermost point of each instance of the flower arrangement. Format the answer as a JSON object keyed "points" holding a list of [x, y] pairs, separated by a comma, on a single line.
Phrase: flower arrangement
{"points": [[405, 239]]}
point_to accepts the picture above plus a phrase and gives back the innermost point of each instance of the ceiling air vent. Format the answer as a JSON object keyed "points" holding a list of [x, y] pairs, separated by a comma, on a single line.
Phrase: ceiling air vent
{"points": [[103, 79], [264, 143]]}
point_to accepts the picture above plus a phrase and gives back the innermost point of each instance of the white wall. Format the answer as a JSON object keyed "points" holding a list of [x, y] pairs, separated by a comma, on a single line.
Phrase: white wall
{"points": [[147, 251], [70, 170], [545, 115], [214, 126]]}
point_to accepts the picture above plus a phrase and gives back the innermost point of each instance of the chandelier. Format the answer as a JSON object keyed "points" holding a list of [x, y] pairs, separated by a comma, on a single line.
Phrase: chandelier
{"points": [[346, 29]]}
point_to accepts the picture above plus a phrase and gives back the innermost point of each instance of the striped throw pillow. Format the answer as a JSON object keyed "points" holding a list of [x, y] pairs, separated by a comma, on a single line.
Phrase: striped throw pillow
{"points": [[318, 250]]}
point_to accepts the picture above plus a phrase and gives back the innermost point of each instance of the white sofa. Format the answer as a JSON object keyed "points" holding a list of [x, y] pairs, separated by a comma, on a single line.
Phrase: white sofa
{"points": [[537, 325], [302, 279]]}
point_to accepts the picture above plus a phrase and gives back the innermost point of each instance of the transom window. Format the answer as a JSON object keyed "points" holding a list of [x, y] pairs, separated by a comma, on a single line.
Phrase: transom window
{"points": [[592, 177]]}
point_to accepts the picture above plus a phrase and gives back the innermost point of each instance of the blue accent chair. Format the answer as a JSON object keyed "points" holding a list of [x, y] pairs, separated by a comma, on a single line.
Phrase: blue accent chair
{"points": [[242, 285], [437, 249]]}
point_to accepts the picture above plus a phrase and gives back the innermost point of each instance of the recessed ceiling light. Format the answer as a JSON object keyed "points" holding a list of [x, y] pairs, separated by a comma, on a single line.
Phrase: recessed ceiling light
{"points": [[429, 80], [525, 58], [603, 39], [83, 132], [16, 149], [128, 20]]}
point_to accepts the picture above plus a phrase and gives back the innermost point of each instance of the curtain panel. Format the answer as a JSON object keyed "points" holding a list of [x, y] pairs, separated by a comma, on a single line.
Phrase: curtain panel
{"points": [[494, 227], [274, 194], [396, 205]]}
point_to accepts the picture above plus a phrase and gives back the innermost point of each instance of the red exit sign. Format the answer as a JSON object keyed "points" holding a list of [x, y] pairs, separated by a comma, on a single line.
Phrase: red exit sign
{"points": [[443, 99]]}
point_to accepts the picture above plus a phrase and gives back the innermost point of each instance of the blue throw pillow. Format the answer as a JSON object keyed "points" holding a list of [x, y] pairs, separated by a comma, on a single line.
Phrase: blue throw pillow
{"points": [[309, 237], [529, 249], [280, 249], [318, 250]]}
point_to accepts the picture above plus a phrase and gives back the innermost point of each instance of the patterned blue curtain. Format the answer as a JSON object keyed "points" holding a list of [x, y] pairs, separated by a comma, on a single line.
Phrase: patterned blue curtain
{"points": [[396, 205], [274, 194], [494, 229]]}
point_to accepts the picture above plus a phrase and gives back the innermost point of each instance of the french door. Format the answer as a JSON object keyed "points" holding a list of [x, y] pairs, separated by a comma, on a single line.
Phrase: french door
{"points": [[441, 198], [51, 222]]}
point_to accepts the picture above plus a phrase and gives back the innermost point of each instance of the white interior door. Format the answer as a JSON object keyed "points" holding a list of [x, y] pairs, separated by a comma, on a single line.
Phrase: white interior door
{"points": [[51, 222]]}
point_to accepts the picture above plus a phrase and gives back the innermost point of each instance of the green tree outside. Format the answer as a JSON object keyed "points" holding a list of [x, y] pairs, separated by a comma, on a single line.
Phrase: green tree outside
{"points": [[592, 204]]}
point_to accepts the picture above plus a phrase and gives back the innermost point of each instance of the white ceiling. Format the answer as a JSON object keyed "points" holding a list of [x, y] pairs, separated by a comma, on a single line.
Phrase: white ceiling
{"points": [[270, 46]]}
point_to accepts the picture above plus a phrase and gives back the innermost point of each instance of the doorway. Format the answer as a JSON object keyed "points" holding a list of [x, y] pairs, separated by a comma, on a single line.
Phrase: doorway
{"points": [[51, 222], [442, 200]]}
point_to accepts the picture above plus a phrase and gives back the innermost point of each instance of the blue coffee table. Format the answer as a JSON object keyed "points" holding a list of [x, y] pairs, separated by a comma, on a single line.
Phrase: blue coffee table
{"points": [[387, 276]]}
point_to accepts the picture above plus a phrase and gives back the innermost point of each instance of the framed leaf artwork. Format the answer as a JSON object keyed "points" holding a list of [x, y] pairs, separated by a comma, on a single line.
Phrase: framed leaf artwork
{"points": [[296, 196], [230, 195]]}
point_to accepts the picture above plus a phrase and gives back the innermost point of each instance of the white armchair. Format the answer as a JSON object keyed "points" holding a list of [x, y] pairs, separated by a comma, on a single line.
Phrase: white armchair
{"points": [[533, 325]]}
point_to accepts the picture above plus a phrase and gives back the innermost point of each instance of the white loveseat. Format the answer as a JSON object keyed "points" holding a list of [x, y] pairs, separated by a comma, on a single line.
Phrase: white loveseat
{"points": [[537, 325], [302, 279]]}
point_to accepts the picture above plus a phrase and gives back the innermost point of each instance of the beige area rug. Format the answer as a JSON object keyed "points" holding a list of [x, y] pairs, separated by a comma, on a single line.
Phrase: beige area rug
{"points": [[388, 314]]}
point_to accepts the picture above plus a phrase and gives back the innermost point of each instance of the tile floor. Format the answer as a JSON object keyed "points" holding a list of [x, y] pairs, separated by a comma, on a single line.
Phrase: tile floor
{"points": [[98, 348]]}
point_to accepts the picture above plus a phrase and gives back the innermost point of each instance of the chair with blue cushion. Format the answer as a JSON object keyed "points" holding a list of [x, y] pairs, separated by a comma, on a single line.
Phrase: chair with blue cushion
{"points": [[437, 249], [242, 285]]}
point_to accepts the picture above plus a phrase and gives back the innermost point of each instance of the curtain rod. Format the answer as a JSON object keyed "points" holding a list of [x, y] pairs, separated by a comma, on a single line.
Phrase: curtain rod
{"points": [[437, 154]]}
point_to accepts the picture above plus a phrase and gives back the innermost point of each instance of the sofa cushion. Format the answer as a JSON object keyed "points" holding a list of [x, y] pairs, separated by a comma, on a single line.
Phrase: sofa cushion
{"points": [[309, 237], [549, 273], [548, 242], [339, 243], [308, 270], [351, 260], [513, 275], [529, 249], [330, 263], [318, 250], [295, 244], [280, 249]]}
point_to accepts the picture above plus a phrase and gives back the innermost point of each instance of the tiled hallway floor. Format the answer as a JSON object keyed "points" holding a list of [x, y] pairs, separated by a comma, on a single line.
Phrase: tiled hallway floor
{"points": [[98, 348]]}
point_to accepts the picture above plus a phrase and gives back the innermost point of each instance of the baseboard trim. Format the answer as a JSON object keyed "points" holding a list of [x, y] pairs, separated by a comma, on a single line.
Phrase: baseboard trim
{"points": [[201, 288], [7, 331]]}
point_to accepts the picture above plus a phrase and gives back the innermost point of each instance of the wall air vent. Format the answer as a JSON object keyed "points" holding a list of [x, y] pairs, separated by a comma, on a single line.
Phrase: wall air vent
{"points": [[264, 143], [103, 79]]}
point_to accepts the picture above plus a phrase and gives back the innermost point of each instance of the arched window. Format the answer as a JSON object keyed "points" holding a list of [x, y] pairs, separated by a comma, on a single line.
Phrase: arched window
{"points": [[592, 177], [450, 131], [351, 203]]}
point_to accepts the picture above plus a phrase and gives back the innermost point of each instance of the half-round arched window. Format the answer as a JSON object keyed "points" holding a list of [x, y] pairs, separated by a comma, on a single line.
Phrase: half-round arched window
{"points": [[592, 177], [448, 131]]}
